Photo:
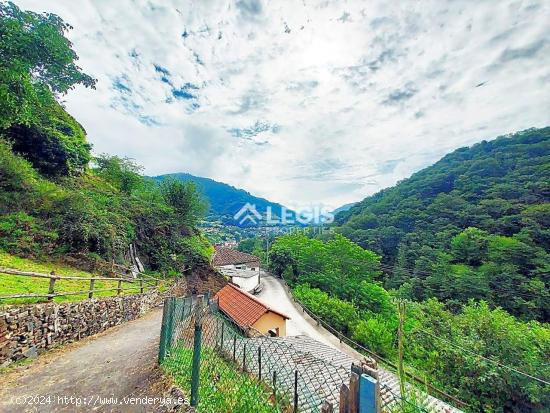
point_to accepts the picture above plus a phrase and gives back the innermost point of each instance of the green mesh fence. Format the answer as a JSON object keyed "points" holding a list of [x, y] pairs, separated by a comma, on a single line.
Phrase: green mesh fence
{"points": [[294, 380]]}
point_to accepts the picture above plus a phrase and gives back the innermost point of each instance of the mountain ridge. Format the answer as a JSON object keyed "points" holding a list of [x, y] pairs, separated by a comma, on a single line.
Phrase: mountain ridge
{"points": [[225, 200]]}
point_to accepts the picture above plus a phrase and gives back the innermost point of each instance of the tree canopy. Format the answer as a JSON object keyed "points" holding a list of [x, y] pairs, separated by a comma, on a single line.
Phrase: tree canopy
{"points": [[37, 65], [473, 225]]}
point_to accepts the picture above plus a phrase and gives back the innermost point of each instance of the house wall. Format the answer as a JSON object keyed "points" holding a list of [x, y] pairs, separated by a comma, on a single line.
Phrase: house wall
{"points": [[270, 321], [246, 283]]}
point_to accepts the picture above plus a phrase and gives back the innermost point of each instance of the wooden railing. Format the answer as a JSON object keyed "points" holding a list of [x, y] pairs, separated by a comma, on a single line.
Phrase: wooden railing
{"points": [[142, 284]]}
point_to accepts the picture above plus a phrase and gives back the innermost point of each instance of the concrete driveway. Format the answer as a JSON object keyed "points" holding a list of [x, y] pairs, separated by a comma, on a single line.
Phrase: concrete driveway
{"points": [[275, 294]]}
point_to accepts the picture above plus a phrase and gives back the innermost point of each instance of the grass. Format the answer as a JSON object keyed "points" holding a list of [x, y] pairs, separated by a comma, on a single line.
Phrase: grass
{"points": [[223, 388], [16, 284]]}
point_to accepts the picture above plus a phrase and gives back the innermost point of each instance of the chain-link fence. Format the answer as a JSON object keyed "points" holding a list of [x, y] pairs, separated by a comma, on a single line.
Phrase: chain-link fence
{"points": [[195, 333], [209, 353]]}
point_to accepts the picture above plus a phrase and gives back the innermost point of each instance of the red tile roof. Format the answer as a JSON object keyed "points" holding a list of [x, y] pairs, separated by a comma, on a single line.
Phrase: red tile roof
{"points": [[242, 307], [227, 256]]}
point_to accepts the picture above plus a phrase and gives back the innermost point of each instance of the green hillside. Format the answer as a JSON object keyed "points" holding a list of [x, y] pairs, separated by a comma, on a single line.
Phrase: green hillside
{"points": [[56, 200], [476, 224], [224, 200]]}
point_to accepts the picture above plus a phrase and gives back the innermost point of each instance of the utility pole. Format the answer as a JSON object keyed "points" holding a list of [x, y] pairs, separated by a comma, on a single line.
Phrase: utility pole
{"points": [[400, 348], [266, 247]]}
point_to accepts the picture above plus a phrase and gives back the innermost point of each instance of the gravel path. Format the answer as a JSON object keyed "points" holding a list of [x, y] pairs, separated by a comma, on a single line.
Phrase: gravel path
{"points": [[121, 362]]}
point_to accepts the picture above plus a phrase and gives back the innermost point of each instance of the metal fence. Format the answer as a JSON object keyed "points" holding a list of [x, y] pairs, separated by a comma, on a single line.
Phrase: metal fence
{"points": [[193, 328], [195, 334]]}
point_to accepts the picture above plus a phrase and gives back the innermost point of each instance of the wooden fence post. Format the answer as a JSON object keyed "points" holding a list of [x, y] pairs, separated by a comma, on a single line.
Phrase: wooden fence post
{"points": [[91, 292], [51, 287], [344, 398], [354, 393], [141, 285], [327, 407], [119, 288]]}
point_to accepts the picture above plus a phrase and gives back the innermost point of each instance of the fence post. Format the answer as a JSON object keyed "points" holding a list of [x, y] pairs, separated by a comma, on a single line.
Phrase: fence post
{"points": [[344, 398], [51, 287], [368, 395], [163, 330], [141, 285], [244, 356], [275, 386], [91, 292], [119, 288], [195, 370], [221, 340], [295, 391], [354, 393], [260, 362], [170, 322], [327, 407]]}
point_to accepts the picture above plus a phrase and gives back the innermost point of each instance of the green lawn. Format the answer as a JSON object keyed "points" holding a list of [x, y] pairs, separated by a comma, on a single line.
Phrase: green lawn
{"points": [[15, 284], [223, 388]]}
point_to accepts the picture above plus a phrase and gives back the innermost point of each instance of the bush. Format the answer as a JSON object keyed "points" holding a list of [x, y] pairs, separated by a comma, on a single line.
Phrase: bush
{"points": [[376, 334], [25, 235]]}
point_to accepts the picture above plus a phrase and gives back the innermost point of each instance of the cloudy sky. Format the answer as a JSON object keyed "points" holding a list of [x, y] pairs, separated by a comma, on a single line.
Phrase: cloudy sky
{"points": [[305, 101]]}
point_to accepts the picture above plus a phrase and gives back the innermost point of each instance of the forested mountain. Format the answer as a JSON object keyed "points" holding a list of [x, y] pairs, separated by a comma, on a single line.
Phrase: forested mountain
{"points": [[476, 224], [224, 200], [345, 207]]}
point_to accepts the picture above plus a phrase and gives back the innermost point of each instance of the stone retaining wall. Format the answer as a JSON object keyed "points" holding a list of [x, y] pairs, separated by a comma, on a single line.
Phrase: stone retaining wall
{"points": [[28, 330]]}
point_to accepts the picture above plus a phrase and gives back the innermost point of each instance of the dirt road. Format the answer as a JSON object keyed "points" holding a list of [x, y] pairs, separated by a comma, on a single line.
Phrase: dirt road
{"points": [[118, 363]]}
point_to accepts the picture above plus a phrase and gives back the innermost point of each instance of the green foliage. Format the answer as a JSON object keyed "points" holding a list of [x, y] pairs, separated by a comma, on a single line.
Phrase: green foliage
{"points": [[338, 313], [337, 257], [122, 173], [15, 284], [37, 63], [376, 334], [437, 344], [36, 60], [473, 225], [99, 213], [443, 346], [223, 388], [224, 200], [22, 234], [184, 198]]}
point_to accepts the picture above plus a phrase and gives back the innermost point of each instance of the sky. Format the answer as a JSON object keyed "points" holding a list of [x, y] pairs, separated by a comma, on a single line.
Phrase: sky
{"points": [[304, 102]]}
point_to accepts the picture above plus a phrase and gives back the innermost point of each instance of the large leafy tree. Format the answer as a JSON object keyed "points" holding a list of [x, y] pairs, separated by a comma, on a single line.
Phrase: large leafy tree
{"points": [[38, 65], [36, 61]]}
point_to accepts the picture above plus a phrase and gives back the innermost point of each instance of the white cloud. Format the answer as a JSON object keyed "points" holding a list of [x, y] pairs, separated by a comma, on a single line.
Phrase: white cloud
{"points": [[305, 102]]}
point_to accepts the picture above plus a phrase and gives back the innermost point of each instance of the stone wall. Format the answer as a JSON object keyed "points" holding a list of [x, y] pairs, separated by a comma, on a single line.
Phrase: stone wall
{"points": [[28, 330]]}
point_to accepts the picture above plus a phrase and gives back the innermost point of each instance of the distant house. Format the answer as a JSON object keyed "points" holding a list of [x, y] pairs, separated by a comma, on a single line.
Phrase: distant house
{"points": [[242, 269], [232, 259], [249, 312]]}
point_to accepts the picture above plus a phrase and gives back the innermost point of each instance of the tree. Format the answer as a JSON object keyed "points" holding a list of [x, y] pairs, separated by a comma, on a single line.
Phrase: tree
{"points": [[122, 173], [37, 61], [470, 246], [37, 64], [186, 200]]}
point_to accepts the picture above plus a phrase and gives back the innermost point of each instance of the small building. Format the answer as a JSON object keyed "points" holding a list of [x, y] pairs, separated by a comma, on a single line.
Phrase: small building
{"points": [[240, 268], [227, 258], [249, 312]]}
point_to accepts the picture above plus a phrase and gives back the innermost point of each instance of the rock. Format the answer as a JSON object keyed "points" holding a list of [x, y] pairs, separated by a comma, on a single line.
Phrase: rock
{"points": [[30, 353]]}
